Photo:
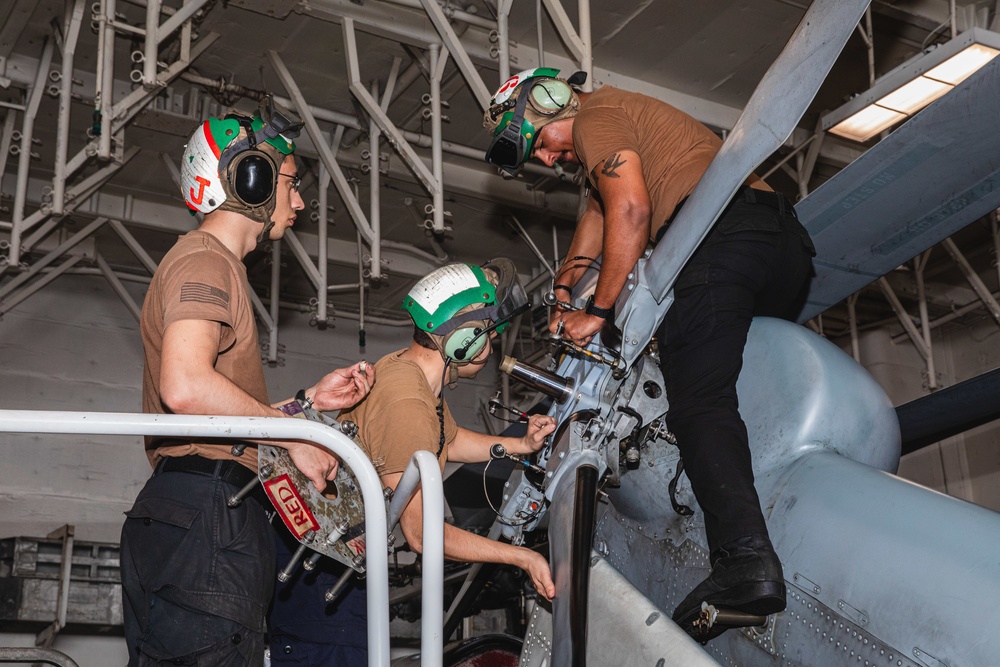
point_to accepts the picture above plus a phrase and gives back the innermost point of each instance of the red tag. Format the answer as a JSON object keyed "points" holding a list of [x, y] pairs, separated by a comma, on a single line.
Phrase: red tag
{"points": [[292, 509]]}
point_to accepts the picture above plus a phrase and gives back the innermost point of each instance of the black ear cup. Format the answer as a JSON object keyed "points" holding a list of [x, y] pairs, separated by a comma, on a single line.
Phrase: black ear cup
{"points": [[253, 177]]}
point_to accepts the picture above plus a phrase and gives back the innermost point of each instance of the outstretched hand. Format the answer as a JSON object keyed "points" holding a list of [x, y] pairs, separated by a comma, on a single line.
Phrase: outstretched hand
{"points": [[343, 387]]}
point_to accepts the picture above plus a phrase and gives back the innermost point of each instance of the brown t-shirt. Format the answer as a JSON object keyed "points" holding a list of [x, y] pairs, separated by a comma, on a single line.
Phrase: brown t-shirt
{"points": [[399, 416], [200, 279], [675, 149]]}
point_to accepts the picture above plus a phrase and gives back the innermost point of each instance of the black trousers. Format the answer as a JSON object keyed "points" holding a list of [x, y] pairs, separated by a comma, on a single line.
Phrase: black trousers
{"points": [[755, 261], [197, 576]]}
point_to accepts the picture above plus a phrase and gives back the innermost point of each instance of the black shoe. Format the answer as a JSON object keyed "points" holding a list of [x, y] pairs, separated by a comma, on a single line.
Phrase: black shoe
{"points": [[746, 576]]}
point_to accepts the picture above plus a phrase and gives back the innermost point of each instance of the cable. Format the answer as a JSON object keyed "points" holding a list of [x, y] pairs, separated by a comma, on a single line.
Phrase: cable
{"points": [[500, 517]]}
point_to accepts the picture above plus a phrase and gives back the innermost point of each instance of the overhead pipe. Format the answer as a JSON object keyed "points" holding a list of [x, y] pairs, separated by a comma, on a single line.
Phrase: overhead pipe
{"points": [[6, 135], [106, 77], [70, 39], [438, 61], [325, 152], [272, 339], [374, 195], [919, 264], [24, 156], [503, 38], [151, 46], [451, 13], [451, 42], [322, 294]]}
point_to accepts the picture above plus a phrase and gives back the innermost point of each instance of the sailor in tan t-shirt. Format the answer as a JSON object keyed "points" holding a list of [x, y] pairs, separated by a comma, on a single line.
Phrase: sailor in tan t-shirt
{"points": [[642, 158], [456, 310], [197, 575]]}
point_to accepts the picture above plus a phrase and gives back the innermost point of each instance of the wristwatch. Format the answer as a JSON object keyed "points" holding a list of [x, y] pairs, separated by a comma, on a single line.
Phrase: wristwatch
{"points": [[604, 313]]}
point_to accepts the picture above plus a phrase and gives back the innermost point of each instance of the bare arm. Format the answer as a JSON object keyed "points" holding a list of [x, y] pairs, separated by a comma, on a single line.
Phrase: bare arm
{"points": [[587, 241], [461, 545], [472, 447], [189, 384], [627, 211]]}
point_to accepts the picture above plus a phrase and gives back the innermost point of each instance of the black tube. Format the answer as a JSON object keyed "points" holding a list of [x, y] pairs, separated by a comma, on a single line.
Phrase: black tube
{"points": [[949, 411], [585, 510]]}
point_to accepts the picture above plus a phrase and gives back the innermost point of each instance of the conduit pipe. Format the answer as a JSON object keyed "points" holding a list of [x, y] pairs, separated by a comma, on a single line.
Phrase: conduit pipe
{"points": [[151, 47], [438, 59], [272, 338], [321, 233], [375, 209], [503, 38], [70, 39], [24, 156], [451, 13], [106, 76]]}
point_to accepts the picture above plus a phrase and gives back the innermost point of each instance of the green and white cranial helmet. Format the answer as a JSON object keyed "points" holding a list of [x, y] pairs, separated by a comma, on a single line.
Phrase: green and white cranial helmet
{"points": [[232, 163], [521, 107], [459, 305]]}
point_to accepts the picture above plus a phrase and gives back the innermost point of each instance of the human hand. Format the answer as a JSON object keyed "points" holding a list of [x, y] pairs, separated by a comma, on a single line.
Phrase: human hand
{"points": [[578, 326], [318, 464], [539, 428], [538, 569], [343, 387]]}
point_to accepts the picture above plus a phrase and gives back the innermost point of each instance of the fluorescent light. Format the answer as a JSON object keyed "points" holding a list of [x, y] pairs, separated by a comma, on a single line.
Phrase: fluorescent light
{"points": [[867, 123], [912, 86], [958, 68], [914, 96]]}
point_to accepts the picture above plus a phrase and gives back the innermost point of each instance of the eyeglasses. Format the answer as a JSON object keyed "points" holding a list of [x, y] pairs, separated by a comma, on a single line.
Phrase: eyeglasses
{"points": [[296, 180]]}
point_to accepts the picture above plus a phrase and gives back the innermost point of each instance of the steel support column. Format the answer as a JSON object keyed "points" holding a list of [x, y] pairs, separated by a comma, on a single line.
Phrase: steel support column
{"points": [[904, 319], [325, 152], [974, 280], [919, 265], [24, 156], [455, 48], [70, 38]]}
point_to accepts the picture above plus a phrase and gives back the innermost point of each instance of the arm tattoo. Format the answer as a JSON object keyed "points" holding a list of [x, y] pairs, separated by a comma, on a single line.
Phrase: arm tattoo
{"points": [[611, 165]]}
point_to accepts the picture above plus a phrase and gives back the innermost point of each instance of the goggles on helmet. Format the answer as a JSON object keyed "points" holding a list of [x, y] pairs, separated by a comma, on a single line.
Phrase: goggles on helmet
{"points": [[273, 125], [514, 135]]}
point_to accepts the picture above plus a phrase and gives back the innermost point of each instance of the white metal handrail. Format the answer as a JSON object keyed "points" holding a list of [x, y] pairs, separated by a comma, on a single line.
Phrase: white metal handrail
{"points": [[376, 533], [424, 470]]}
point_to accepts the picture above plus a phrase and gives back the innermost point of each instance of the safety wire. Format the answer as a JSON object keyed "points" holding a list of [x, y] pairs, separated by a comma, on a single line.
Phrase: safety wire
{"points": [[500, 517]]}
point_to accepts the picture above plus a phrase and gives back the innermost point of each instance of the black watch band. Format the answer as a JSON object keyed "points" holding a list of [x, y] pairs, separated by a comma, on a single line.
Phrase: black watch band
{"points": [[605, 313]]}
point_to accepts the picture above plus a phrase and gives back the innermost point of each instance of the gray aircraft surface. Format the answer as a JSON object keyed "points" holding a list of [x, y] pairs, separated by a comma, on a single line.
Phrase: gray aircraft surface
{"points": [[879, 571]]}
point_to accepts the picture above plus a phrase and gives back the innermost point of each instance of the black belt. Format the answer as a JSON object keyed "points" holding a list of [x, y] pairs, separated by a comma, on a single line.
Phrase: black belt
{"points": [[775, 200], [228, 471]]}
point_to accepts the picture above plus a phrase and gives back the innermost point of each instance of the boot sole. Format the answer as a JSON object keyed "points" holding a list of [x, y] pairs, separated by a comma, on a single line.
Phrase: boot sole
{"points": [[761, 598]]}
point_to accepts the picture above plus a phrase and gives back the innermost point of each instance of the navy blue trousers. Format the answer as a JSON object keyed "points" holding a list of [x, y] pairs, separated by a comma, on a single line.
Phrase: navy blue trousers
{"points": [[755, 261], [307, 631]]}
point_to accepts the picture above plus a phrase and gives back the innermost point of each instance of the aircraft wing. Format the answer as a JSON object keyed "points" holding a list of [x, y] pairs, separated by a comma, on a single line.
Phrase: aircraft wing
{"points": [[934, 175]]}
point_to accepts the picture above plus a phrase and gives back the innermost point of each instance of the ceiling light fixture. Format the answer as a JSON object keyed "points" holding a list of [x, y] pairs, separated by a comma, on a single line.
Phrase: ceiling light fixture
{"points": [[913, 85]]}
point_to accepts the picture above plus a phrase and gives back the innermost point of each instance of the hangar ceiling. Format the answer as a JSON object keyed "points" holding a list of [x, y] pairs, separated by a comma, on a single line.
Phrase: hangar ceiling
{"points": [[705, 58]]}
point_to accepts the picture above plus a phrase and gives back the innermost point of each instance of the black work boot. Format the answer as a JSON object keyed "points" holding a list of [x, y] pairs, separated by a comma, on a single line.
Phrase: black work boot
{"points": [[746, 576]]}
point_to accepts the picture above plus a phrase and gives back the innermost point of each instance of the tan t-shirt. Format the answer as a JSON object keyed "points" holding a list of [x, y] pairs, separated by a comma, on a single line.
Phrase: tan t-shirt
{"points": [[399, 416], [675, 149], [200, 279]]}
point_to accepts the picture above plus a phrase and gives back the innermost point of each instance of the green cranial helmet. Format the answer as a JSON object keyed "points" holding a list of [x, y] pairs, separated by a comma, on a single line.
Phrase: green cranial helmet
{"points": [[459, 305], [522, 106]]}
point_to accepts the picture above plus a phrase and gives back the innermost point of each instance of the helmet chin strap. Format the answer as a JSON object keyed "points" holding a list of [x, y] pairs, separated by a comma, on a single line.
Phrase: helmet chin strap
{"points": [[265, 233]]}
